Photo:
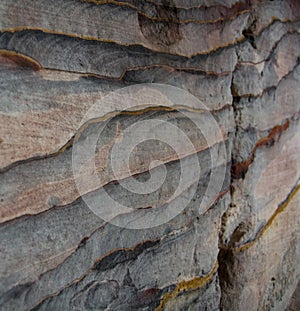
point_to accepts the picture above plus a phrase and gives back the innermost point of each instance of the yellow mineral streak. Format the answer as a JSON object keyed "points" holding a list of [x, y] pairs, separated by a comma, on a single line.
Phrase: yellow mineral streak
{"points": [[188, 285]]}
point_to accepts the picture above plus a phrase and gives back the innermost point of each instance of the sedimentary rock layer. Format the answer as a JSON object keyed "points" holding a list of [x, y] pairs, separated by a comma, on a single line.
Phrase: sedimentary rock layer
{"points": [[216, 86]]}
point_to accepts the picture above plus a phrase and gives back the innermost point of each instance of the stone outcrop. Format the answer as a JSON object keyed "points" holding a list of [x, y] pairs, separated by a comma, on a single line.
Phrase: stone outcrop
{"points": [[221, 235]]}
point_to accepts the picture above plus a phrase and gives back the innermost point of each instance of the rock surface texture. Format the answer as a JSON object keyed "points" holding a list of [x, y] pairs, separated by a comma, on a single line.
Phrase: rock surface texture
{"points": [[235, 244]]}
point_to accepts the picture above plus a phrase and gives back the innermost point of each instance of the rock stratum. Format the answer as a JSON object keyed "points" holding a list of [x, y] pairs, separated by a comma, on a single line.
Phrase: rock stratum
{"points": [[235, 64]]}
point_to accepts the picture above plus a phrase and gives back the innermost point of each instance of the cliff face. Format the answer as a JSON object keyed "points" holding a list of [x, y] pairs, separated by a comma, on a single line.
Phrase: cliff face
{"points": [[149, 154]]}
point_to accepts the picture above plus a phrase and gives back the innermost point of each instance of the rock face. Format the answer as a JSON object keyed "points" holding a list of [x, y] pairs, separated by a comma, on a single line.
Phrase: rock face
{"points": [[149, 154]]}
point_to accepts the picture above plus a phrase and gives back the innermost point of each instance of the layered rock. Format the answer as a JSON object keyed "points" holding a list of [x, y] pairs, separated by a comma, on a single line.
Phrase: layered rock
{"points": [[226, 75]]}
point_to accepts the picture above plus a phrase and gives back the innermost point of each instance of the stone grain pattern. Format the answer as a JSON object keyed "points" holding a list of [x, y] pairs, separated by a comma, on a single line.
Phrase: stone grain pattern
{"points": [[240, 251]]}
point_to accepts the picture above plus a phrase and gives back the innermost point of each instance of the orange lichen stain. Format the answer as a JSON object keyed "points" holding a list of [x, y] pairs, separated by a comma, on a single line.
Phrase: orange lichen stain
{"points": [[279, 210], [273, 135], [20, 59], [239, 170], [189, 285]]}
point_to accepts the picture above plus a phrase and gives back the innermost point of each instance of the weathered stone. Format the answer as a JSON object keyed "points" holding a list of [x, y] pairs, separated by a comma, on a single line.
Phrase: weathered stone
{"points": [[227, 238], [123, 25], [268, 286], [253, 79]]}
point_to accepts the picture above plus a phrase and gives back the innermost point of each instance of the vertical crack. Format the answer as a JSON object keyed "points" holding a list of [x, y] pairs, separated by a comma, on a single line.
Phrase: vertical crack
{"points": [[225, 257]]}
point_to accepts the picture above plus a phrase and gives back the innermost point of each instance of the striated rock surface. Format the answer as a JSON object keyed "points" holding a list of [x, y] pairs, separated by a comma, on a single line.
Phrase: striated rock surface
{"points": [[149, 155]]}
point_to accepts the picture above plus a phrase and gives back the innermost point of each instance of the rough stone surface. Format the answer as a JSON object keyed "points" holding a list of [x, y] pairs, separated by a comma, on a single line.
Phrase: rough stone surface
{"points": [[238, 251]]}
